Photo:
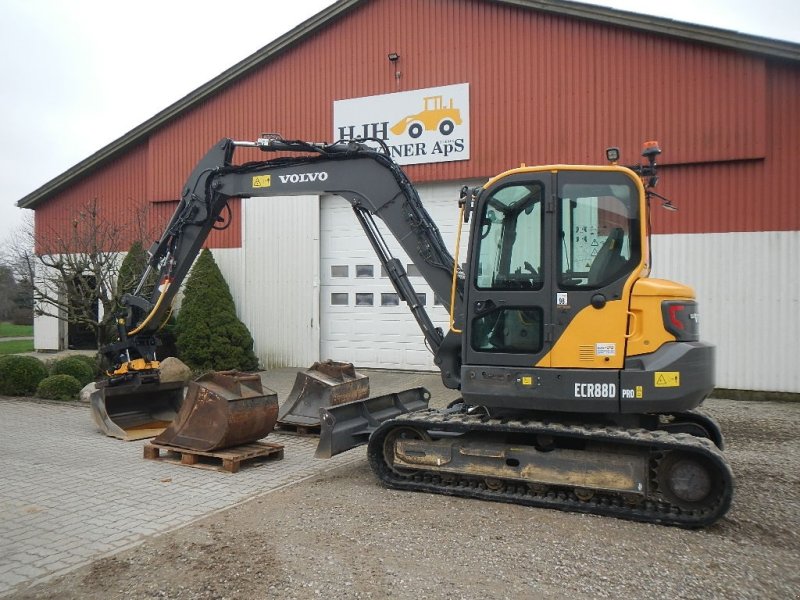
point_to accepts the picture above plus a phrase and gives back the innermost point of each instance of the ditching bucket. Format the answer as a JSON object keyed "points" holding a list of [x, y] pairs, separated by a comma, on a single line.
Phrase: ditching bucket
{"points": [[349, 425], [135, 411], [222, 409], [323, 384]]}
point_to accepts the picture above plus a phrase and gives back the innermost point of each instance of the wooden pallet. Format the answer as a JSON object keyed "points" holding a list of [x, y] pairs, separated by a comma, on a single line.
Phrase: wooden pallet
{"points": [[295, 429], [229, 459]]}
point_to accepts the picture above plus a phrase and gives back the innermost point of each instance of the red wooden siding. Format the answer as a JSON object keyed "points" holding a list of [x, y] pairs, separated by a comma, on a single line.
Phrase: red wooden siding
{"points": [[160, 213], [119, 190], [543, 89]]}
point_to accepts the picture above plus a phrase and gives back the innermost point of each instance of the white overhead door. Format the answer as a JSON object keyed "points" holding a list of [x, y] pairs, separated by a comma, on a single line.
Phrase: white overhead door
{"points": [[362, 320]]}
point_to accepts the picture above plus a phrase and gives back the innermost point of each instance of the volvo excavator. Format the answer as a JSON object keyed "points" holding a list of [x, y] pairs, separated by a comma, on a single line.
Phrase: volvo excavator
{"points": [[580, 376]]}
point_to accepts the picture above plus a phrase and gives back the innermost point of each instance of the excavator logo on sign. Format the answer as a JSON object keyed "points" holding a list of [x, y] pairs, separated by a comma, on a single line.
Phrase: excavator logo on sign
{"points": [[435, 115], [262, 181]]}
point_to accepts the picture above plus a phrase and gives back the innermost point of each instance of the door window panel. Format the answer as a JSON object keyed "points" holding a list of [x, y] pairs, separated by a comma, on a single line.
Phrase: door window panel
{"points": [[513, 330], [510, 251]]}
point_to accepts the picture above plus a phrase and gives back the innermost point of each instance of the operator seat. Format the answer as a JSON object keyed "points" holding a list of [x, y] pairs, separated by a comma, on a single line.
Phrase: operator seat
{"points": [[609, 262]]}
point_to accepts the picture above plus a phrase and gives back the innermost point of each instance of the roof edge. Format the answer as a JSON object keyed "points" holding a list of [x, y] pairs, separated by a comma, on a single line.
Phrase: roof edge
{"points": [[740, 42]]}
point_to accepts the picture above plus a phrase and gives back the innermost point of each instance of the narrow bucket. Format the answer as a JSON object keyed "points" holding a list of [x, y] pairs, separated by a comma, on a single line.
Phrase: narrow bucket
{"points": [[349, 425], [135, 411], [222, 409], [324, 384]]}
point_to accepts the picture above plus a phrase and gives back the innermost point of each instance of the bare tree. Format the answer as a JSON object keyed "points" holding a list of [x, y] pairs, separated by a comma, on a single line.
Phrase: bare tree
{"points": [[74, 274]]}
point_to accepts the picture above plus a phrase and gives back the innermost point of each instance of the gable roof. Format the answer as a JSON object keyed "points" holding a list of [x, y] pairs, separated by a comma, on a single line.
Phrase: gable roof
{"points": [[740, 42]]}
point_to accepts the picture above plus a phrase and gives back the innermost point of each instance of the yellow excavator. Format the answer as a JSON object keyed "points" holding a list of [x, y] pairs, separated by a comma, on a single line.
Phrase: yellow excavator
{"points": [[580, 376]]}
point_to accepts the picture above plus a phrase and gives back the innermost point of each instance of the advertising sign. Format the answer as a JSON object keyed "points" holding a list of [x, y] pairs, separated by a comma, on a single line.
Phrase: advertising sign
{"points": [[420, 126]]}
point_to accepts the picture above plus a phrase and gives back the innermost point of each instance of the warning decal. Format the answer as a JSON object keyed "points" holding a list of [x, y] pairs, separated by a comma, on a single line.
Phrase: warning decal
{"points": [[262, 181], [667, 379]]}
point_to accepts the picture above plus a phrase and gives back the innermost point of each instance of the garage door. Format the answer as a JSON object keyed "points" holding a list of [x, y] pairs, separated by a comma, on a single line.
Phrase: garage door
{"points": [[362, 319]]}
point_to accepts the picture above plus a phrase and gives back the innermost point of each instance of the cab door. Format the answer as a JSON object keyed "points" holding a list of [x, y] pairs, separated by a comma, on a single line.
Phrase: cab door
{"points": [[508, 305]]}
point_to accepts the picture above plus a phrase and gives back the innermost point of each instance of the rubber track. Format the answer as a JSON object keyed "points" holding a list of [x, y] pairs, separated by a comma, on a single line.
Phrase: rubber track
{"points": [[653, 509]]}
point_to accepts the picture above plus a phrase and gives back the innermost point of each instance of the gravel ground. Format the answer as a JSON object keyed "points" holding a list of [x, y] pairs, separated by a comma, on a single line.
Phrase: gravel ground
{"points": [[341, 535]]}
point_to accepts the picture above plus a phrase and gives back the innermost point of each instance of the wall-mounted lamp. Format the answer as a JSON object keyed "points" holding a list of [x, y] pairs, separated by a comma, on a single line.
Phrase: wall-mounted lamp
{"points": [[393, 58]]}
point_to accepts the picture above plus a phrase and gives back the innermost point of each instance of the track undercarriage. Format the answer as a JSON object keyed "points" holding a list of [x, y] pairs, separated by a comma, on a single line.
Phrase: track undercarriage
{"points": [[665, 475]]}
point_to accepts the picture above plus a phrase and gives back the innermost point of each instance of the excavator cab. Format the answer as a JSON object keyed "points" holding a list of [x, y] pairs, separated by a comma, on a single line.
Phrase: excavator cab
{"points": [[534, 269]]}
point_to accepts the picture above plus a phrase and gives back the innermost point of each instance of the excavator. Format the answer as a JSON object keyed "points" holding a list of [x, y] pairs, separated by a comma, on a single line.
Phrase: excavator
{"points": [[580, 375]]}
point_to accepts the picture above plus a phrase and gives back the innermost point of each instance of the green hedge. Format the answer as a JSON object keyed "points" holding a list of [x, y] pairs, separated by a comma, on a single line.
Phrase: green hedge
{"points": [[75, 366], [59, 387], [20, 375], [89, 361]]}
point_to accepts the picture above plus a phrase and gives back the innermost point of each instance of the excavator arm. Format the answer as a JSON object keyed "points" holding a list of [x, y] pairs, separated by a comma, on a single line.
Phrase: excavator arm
{"points": [[368, 179]]}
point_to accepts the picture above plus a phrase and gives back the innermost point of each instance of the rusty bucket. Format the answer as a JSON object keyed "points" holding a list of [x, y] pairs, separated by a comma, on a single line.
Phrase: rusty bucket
{"points": [[135, 411], [222, 409], [322, 385]]}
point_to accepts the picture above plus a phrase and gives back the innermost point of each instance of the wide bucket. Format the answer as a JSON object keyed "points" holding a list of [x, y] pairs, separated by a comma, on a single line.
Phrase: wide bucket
{"points": [[322, 385], [349, 425], [135, 411], [222, 409]]}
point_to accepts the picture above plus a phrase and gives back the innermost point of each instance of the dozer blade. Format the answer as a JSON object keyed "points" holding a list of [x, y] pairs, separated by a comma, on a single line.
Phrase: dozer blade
{"points": [[135, 410], [222, 409], [324, 384], [349, 425]]}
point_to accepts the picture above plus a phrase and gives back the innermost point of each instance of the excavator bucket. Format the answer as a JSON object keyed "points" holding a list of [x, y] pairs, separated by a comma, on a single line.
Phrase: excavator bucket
{"points": [[324, 384], [222, 409], [135, 411], [349, 425]]}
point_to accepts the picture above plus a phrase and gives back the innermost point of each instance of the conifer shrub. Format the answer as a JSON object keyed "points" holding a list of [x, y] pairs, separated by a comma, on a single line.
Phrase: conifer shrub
{"points": [[131, 270], [59, 387], [72, 365], [209, 334], [19, 375], [130, 273]]}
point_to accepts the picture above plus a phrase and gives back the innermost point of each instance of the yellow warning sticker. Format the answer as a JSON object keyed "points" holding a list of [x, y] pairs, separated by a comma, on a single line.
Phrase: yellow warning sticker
{"points": [[262, 181], [639, 391], [668, 379], [527, 380]]}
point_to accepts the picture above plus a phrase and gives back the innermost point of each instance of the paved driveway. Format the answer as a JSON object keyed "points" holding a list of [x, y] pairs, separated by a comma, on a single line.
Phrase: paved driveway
{"points": [[69, 494]]}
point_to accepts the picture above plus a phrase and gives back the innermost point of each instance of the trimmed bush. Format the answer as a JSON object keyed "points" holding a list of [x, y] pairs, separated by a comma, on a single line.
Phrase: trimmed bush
{"points": [[59, 387], [209, 334], [75, 366], [19, 375], [90, 361]]}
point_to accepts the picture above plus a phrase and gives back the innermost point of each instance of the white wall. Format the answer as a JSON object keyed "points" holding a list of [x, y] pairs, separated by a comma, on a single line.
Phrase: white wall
{"points": [[748, 289], [274, 278], [49, 332]]}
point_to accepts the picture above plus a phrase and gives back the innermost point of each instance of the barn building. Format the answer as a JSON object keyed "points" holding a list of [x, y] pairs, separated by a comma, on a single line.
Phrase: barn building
{"points": [[535, 82]]}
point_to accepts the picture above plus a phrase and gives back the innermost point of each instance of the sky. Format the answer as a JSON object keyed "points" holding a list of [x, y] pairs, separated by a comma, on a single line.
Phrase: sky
{"points": [[76, 75]]}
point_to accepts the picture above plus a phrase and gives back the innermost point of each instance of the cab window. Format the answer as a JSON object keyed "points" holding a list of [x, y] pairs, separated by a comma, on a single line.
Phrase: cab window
{"points": [[510, 246], [599, 229]]}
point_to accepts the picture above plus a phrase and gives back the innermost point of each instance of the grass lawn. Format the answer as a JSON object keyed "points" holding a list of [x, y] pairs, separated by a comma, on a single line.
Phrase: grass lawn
{"points": [[10, 330], [15, 346]]}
